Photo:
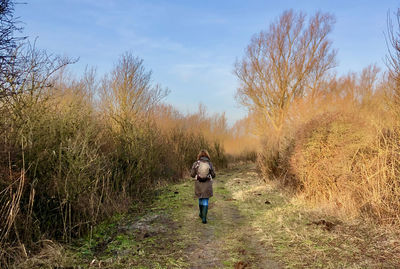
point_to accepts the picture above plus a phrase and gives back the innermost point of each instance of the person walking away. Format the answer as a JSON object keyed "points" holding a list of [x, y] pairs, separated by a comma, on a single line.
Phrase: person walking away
{"points": [[203, 171]]}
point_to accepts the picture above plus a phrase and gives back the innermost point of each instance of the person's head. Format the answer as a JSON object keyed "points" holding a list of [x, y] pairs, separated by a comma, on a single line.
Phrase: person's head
{"points": [[203, 153]]}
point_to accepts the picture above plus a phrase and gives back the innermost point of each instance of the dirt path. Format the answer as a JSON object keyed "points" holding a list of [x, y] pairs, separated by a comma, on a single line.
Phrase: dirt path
{"points": [[226, 240], [251, 224]]}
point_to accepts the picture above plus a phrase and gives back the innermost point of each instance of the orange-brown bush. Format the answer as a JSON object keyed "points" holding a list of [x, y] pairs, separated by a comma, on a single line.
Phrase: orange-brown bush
{"points": [[242, 144], [200, 129], [326, 158], [340, 155], [343, 163]]}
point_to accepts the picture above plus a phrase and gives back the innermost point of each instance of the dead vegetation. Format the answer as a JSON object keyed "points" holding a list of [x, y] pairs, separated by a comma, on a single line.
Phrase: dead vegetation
{"points": [[332, 140], [70, 160]]}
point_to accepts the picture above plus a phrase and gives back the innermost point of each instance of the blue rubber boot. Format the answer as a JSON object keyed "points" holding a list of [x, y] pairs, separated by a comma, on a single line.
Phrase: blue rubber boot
{"points": [[201, 211], [204, 214]]}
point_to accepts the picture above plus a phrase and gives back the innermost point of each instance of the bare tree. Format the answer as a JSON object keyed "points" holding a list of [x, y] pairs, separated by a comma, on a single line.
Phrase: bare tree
{"points": [[129, 90], [367, 83], [8, 45], [288, 61], [393, 58]]}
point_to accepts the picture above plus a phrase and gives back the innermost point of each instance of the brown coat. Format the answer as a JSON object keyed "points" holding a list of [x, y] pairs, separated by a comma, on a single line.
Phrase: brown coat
{"points": [[203, 189]]}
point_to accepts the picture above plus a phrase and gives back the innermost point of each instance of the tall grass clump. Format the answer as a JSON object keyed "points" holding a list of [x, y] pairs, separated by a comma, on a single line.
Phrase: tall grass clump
{"points": [[348, 166], [187, 133], [242, 144]]}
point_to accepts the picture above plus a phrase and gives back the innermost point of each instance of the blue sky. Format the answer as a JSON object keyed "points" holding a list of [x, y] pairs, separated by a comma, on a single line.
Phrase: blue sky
{"points": [[191, 46]]}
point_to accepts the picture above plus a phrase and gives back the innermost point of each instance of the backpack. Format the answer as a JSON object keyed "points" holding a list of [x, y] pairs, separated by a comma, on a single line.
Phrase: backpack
{"points": [[203, 171]]}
